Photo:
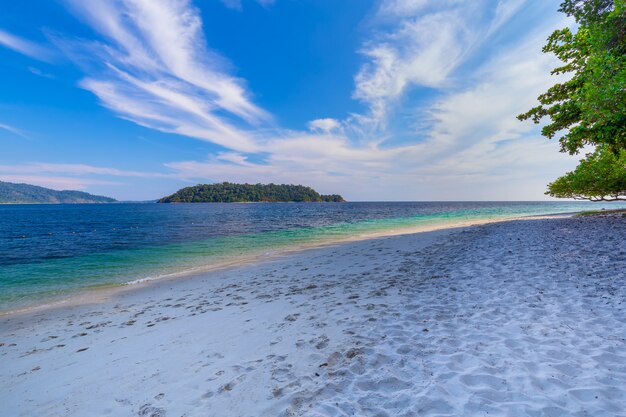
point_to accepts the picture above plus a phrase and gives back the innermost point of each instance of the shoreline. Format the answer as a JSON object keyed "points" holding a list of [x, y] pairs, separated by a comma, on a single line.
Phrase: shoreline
{"points": [[102, 292], [509, 318]]}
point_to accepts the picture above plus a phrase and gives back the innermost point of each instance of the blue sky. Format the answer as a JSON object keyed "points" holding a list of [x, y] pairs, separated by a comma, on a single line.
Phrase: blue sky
{"points": [[373, 99]]}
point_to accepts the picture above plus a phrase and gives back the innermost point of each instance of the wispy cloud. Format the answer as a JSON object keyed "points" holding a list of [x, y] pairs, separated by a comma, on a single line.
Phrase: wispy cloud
{"points": [[24, 46], [153, 67], [325, 125], [41, 73], [238, 4], [14, 130], [233, 4], [505, 10], [56, 183], [40, 168], [421, 45]]}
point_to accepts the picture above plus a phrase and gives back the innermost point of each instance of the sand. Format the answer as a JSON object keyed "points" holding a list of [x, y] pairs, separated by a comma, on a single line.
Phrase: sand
{"points": [[517, 318]]}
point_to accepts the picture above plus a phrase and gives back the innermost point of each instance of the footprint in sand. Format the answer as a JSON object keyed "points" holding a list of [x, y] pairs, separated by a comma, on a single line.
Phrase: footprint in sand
{"points": [[147, 410], [229, 386], [320, 342]]}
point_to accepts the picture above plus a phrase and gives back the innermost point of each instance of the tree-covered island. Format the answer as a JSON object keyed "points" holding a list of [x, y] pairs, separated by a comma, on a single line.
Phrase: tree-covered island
{"points": [[12, 193], [227, 192]]}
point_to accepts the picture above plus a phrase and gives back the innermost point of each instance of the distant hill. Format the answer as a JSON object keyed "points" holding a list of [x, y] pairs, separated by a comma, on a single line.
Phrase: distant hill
{"points": [[32, 194], [248, 193]]}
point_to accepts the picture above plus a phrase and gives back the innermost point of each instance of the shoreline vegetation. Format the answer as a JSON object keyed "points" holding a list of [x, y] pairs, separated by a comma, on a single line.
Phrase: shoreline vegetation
{"points": [[227, 192], [455, 322], [604, 213]]}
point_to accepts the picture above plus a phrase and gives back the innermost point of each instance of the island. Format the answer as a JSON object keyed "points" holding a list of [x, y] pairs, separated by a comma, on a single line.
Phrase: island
{"points": [[227, 192], [12, 193]]}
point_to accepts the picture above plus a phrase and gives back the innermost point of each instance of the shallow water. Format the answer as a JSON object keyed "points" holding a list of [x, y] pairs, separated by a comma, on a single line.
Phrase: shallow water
{"points": [[51, 250]]}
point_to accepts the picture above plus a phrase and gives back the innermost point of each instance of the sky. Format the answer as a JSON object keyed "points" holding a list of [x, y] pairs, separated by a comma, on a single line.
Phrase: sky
{"points": [[377, 100]]}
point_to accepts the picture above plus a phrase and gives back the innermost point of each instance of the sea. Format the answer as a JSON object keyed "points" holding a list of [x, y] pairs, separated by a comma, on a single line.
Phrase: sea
{"points": [[50, 252]]}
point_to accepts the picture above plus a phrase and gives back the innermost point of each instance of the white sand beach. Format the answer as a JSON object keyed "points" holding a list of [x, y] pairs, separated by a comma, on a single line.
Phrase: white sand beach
{"points": [[520, 318]]}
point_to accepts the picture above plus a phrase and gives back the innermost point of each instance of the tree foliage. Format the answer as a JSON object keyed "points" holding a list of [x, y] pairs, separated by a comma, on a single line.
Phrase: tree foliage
{"points": [[242, 193], [601, 176], [590, 107]]}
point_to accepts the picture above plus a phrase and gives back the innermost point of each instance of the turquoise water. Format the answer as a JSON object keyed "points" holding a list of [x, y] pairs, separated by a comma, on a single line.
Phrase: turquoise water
{"points": [[54, 250]]}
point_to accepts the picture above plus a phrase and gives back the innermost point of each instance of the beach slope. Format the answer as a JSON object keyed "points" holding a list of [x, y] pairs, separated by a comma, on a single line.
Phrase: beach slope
{"points": [[524, 317]]}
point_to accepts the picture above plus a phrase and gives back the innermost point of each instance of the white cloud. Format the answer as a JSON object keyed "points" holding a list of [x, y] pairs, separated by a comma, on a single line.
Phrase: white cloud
{"points": [[237, 4], [40, 168], [14, 130], [159, 72], [233, 157], [324, 125], [40, 73], [505, 10], [233, 4], [421, 45], [394, 8], [24, 46], [484, 113], [56, 183]]}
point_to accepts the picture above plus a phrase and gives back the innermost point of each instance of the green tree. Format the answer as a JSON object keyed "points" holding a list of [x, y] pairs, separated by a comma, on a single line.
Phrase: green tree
{"points": [[227, 192], [590, 107], [601, 176]]}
